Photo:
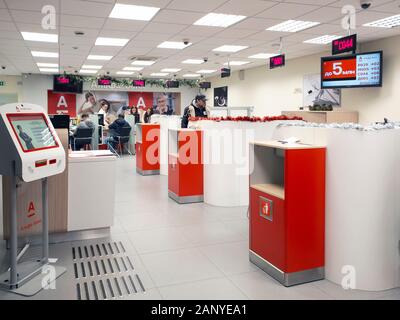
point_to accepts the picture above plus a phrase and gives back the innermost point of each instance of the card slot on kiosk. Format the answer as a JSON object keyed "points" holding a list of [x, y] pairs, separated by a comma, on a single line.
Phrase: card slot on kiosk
{"points": [[30, 151]]}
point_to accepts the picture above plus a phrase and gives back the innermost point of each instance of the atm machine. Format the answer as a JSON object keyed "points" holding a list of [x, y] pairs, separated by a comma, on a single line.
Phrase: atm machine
{"points": [[30, 150]]}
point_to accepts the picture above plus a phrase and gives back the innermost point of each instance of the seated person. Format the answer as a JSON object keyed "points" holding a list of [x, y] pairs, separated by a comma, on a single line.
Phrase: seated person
{"points": [[147, 115], [84, 123], [162, 106], [115, 129]]}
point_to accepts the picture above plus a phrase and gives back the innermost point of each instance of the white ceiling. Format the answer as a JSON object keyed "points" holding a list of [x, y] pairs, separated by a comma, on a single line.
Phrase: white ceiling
{"points": [[174, 22]]}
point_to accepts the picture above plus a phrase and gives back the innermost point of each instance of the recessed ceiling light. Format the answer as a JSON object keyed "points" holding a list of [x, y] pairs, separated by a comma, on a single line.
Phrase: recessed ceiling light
{"points": [[47, 65], [206, 71], [228, 48], [44, 54], [322, 40], [219, 20], [293, 26], [236, 63], [389, 22], [193, 61], [191, 75], [262, 56], [83, 71], [91, 66], [159, 74], [98, 57], [127, 73], [55, 70], [115, 42], [133, 68], [171, 70], [43, 37], [132, 12], [173, 45], [143, 62]]}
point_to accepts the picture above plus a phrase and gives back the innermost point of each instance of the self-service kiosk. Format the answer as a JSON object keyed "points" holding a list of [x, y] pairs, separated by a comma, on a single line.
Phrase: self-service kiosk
{"points": [[30, 150]]}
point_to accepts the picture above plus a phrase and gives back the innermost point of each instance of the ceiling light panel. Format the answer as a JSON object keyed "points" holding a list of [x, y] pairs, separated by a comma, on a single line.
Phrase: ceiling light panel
{"points": [[389, 22], [171, 70], [229, 48], [114, 42], [191, 75], [52, 70], [47, 65], [326, 39], [127, 73], [159, 74], [42, 37], [143, 62], [262, 56], [87, 71], [236, 63], [206, 71], [193, 61], [99, 57], [173, 45], [132, 12], [219, 20], [133, 68], [91, 66], [44, 54], [293, 26]]}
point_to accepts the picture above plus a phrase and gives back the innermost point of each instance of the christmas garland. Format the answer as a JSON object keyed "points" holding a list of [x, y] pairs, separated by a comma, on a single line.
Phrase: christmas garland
{"points": [[248, 119], [127, 82]]}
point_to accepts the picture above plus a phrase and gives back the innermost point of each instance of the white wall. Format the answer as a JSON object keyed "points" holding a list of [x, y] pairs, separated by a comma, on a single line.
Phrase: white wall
{"points": [[12, 85], [273, 91]]}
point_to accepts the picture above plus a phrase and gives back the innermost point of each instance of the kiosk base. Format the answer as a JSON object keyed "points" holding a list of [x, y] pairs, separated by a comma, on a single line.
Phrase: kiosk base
{"points": [[287, 279], [147, 172], [31, 282], [187, 199]]}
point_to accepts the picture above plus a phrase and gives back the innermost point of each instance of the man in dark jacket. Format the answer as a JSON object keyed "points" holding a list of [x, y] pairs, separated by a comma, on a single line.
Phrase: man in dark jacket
{"points": [[197, 109], [116, 127]]}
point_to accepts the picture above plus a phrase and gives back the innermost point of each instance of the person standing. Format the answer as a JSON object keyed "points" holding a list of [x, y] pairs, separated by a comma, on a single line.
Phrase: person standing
{"points": [[198, 108]]}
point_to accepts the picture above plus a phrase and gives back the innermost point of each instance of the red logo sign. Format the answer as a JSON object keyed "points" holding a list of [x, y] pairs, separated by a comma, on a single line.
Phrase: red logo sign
{"points": [[142, 100], [31, 210], [61, 103], [341, 69]]}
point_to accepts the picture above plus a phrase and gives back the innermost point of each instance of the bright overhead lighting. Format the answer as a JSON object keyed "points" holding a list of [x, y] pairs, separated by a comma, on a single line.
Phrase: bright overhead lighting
{"points": [[236, 63], [219, 20], [193, 61], [47, 65], [171, 70], [127, 73], [389, 22], [43, 37], [159, 74], [262, 56], [228, 48], [91, 66], [133, 68], [293, 26], [206, 71], [191, 75], [143, 62], [83, 71], [55, 70], [173, 45], [132, 12], [322, 40], [44, 54], [115, 42], [97, 57]]}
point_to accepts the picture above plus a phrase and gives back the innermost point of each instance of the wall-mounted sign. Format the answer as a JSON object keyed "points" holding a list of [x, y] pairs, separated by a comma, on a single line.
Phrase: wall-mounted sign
{"points": [[221, 97], [277, 61], [139, 83], [225, 72], [104, 82], [346, 44], [61, 103]]}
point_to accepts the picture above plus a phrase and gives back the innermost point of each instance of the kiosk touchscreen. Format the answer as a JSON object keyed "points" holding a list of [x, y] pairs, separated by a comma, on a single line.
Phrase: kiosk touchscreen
{"points": [[30, 150]]}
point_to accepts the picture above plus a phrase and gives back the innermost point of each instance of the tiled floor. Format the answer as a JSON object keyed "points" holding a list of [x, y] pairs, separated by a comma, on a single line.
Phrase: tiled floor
{"points": [[198, 251]]}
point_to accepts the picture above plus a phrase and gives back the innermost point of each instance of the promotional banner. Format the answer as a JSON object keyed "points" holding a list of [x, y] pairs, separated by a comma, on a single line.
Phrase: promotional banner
{"points": [[61, 103], [221, 97]]}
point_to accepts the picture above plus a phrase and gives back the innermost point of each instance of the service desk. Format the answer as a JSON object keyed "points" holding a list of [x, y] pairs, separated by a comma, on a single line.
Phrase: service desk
{"points": [[91, 207], [325, 116]]}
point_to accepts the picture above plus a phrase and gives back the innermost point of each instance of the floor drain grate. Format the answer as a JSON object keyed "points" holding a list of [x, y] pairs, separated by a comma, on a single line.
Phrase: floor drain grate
{"points": [[104, 271]]}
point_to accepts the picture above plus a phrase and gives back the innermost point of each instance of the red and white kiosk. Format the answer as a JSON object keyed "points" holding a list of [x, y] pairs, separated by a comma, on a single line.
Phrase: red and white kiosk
{"points": [[30, 150], [185, 166], [287, 210], [148, 149]]}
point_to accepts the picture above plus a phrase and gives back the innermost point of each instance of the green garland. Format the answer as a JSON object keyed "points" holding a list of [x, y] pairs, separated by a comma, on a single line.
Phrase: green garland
{"points": [[126, 82]]}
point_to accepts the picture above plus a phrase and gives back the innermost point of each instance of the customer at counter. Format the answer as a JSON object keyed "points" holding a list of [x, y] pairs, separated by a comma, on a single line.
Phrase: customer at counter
{"points": [[85, 123], [147, 116], [197, 109], [115, 129]]}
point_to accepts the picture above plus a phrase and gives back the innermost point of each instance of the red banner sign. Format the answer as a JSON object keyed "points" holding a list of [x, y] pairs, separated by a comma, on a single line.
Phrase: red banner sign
{"points": [[142, 100], [61, 103]]}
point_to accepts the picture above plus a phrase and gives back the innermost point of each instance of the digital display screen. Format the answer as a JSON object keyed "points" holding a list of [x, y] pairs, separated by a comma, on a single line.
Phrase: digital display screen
{"points": [[358, 70], [277, 61], [346, 44], [139, 83], [205, 85], [32, 132], [104, 82], [225, 72], [172, 84], [64, 83]]}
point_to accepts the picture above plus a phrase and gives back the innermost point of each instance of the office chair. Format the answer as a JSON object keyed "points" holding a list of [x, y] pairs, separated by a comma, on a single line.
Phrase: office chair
{"points": [[120, 140], [83, 137]]}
